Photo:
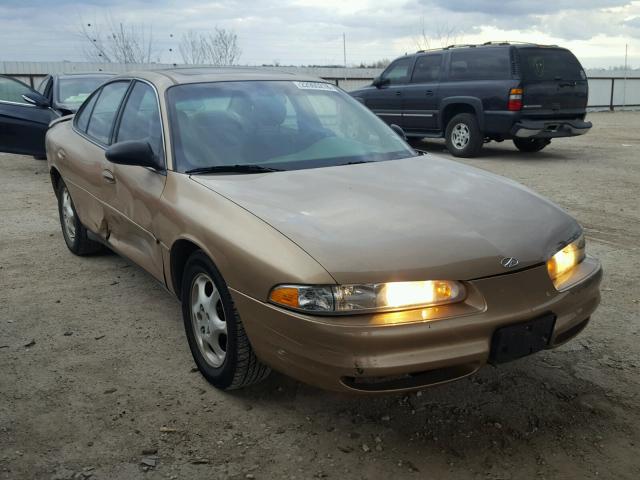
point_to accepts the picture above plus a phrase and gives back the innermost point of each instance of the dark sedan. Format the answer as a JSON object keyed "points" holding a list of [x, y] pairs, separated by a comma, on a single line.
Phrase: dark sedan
{"points": [[25, 113]]}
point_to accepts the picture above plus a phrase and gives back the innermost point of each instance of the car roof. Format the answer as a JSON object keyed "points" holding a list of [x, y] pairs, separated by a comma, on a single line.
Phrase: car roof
{"points": [[181, 75], [83, 74]]}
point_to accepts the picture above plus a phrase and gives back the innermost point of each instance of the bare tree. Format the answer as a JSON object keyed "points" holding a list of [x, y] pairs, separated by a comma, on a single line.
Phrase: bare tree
{"points": [[117, 42], [219, 48], [438, 36]]}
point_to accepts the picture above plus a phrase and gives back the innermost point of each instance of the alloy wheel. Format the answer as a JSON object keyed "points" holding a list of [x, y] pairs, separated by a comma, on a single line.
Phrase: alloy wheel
{"points": [[208, 320], [68, 216], [460, 136]]}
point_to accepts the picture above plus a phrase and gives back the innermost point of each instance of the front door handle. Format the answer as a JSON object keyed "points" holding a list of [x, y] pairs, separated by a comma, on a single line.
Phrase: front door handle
{"points": [[108, 177], [398, 93], [428, 93]]}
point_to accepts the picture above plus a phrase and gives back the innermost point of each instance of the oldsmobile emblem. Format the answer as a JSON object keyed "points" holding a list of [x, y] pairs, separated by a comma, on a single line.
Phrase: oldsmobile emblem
{"points": [[509, 262]]}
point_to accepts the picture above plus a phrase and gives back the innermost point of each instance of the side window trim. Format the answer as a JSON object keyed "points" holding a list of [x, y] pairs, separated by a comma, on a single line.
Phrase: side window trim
{"points": [[86, 134], [118, 120], [118, 117]]}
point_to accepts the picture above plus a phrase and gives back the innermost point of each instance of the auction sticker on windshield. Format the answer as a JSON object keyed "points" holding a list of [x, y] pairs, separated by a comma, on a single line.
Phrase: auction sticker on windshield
{"points": [[315, 86]]}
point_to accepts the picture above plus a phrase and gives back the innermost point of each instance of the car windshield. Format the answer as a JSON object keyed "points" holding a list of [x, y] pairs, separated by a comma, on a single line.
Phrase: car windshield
{"points": [[549, 64], [73, 91], [280, 125]]}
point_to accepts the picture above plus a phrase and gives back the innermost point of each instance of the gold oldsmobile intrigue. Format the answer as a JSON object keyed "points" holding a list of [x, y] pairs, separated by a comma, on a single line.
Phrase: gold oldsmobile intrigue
{"points": [[303, 234]]}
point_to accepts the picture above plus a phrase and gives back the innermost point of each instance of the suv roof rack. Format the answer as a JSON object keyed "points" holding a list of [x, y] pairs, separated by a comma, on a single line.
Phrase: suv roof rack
{"points": [[485, 44]]}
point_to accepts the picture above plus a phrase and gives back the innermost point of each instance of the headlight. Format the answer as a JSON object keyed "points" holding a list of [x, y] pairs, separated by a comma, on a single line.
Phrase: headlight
{"points": [[367, 297], [566, 259]]}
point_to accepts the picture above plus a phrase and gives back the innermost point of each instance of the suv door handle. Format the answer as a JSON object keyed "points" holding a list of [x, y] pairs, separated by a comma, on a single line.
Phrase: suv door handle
{"points": [[398, 93], [428, 93], [108, 177]]}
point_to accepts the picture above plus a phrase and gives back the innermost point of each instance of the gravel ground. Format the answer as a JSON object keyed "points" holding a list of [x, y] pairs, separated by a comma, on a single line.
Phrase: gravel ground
{"points": [[96, 379]]}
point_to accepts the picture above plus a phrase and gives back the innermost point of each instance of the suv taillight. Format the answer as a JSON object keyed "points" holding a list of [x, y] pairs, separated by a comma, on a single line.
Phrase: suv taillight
{"points": [[515, 100]]}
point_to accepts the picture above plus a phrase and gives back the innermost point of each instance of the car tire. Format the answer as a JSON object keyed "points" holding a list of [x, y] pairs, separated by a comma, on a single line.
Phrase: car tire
{"points": [[531, 144], [74, 233], [215, 332], [463, 136]]}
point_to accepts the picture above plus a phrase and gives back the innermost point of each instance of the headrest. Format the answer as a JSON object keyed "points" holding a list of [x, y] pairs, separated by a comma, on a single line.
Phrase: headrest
{"points": [[269, 110]]}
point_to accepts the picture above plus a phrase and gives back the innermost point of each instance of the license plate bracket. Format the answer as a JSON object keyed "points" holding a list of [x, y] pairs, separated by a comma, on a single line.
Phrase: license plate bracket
{"points": [[522, 339]]}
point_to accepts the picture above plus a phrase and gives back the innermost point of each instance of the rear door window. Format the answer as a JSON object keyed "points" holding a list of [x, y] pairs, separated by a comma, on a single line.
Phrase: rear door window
{"points": [[549, 64], [480, 64], [399, 71], [427, 69], [104, 112]]}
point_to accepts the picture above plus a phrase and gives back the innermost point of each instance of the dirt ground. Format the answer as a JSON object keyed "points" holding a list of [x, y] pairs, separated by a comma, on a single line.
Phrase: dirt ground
{"points": [[96, 379]]}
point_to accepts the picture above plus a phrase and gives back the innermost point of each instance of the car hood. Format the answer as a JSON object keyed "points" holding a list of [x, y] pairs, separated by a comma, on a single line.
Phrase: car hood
{"points": [[412, 219]]}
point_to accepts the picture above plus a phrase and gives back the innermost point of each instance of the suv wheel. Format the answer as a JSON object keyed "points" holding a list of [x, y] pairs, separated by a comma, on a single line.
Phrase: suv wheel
{"points": [[216, 336], [74, 233], [531, 144], [463, 136]]}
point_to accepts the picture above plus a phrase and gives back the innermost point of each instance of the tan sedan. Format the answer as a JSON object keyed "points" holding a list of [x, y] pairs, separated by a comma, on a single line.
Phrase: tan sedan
{"points": [[303, 234]]}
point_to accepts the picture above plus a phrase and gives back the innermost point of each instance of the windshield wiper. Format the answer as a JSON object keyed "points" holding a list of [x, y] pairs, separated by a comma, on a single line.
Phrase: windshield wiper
{"points": [[251, 168]]}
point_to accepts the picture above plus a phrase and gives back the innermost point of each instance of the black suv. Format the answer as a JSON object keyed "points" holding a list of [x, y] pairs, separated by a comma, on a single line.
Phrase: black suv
{"points": [[471, 94]]}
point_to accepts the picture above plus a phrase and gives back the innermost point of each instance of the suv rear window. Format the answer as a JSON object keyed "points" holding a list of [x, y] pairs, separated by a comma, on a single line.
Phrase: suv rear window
{"points": [[480, 64], [548, 64]]}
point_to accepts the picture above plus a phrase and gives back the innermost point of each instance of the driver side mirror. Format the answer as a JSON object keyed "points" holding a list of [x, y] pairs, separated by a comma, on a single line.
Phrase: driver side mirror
{"points": [[399, 131], [34, 98], [380, 82], [132, 152]]}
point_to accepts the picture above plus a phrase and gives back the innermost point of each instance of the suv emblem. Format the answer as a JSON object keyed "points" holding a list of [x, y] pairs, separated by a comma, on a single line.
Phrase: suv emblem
{"points": [[509, 262]]}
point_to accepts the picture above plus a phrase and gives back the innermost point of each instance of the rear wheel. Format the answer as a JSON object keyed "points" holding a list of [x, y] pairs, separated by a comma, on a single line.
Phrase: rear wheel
{"points": [[463, 136], [74, 233], [531, 144], [216, 336]]}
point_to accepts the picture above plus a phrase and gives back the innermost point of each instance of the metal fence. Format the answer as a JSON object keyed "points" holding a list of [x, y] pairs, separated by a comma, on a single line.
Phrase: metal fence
{"points": [[32, 73], [614, 93], [605, 93]]}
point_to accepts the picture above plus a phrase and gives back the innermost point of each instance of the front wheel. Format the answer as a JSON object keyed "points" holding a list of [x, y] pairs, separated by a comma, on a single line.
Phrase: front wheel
{"points": [[216, 336], [463, 136], [531, 144]]}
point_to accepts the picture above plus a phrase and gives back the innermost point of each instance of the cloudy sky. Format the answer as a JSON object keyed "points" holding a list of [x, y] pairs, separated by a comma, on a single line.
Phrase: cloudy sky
{"points": [[310, 31]]}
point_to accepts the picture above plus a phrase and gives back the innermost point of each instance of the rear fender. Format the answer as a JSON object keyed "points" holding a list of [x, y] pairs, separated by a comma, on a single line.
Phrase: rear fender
{"points": [[473, 102]]}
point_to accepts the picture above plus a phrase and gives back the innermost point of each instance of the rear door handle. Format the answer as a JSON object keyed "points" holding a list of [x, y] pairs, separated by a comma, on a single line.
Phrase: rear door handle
{"points": [[429, 93], [398, 93], [108, 177]]}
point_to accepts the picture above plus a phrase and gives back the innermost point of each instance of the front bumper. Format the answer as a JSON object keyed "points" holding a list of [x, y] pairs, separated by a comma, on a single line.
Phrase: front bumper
{"points": [[375, 353], [550, 128]]}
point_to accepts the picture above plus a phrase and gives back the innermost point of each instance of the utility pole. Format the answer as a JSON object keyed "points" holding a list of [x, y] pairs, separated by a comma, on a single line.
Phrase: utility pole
{"points": [[344, 54], [344, 49], [626, 70]]}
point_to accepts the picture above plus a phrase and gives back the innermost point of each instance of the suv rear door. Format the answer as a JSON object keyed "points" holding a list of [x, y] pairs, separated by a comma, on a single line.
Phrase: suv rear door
{"points": [[553, 81], [420, 99]]}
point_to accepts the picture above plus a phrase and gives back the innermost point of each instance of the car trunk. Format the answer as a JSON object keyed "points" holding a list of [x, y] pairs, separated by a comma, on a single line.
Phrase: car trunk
{"points": [[554, 83]]}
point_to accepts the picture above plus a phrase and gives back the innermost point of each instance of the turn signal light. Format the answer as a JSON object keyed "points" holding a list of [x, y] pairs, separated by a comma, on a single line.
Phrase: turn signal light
{"points": [[515, 100]]}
